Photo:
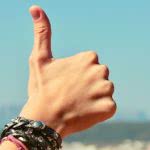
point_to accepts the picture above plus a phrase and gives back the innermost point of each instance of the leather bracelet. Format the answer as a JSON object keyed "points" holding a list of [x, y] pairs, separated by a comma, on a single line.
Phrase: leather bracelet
{"points": [[34, 134]]}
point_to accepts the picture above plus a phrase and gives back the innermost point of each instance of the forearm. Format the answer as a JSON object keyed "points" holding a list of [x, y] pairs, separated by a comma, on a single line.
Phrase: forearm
{"points": [[8, 145]]}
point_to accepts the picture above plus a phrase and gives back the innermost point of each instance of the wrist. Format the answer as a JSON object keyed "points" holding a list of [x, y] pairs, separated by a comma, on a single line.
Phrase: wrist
{"points": [[40, 113]]}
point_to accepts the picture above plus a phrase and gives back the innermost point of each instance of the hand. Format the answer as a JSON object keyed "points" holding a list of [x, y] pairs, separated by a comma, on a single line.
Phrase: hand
{"points": [[69, 94]]}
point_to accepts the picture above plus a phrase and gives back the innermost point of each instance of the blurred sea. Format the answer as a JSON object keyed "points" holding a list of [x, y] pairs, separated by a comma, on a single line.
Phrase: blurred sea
{"points": [[112, 136], [107, 136], [126, 145]]}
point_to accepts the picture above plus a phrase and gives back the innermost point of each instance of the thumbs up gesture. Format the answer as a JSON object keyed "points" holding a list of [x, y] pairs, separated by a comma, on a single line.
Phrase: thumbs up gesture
{"points": [[69, 94]]}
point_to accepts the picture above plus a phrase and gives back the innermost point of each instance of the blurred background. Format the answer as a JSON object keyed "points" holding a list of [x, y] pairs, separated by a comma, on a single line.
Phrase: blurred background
{"points": [[119, 31]]}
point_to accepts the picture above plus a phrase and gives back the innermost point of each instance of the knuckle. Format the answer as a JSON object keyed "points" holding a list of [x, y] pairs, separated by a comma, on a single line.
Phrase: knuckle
{"points": [[92, 56], [109, 87], [42, 31], [112, 107], [35, 59], [104, 70], [96, 69]]}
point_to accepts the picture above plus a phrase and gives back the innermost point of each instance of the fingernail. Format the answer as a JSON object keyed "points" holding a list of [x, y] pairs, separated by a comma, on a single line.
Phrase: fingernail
{"points": [[35, 14]]}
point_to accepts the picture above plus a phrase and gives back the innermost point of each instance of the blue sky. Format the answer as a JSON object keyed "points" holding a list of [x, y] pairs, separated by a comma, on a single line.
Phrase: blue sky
{"points": [[119, 31]]}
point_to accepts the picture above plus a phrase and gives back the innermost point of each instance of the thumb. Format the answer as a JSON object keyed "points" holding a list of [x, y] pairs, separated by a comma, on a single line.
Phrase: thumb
{"points": [[42, 33]]}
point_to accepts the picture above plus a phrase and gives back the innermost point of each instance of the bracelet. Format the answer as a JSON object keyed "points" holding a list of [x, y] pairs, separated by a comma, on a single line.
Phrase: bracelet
{"points": [[12, 139], [35, 135]]}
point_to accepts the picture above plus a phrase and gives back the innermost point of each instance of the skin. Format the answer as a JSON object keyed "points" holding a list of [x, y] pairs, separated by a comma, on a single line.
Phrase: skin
{"points": [[68, 94]]}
